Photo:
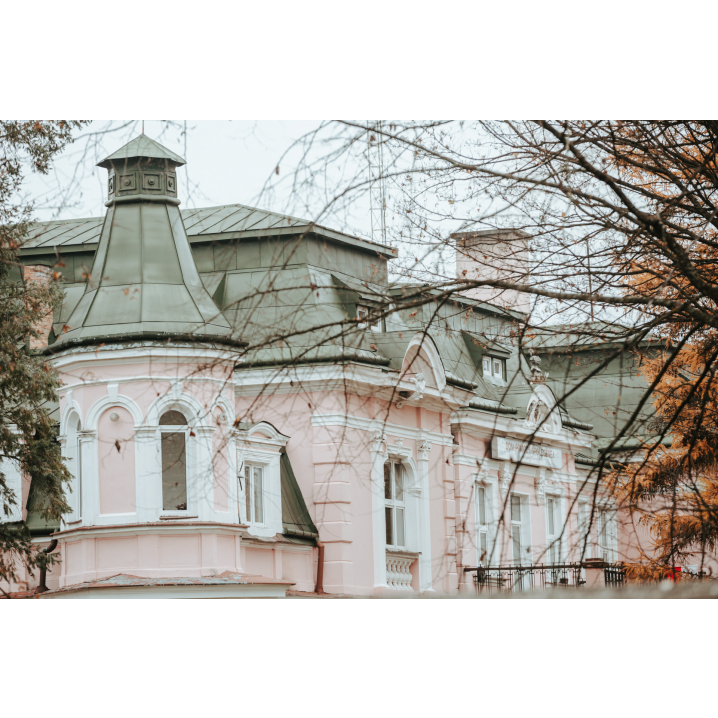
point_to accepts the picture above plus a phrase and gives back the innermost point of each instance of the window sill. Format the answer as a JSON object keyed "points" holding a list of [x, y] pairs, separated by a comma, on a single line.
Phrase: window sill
{"points": [[403, 552], [177, 517]]}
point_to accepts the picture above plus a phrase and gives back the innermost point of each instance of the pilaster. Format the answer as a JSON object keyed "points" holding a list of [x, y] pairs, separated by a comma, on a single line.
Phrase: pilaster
{"points": [[425, 577], [377, 453], [202, 490], [148, 470], [87, 440]]}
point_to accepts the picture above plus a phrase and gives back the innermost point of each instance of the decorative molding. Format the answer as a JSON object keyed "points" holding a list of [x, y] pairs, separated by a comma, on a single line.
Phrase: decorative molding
{"points": [[184, 403], [419, 388], [130, 379], [272, 438], [424, 449], [399, 451], [505, 477], [542, 413], [105, 402], [425, 343], [377, 441], [176, 390], [376, 425], [146, 432], [540, 486]]}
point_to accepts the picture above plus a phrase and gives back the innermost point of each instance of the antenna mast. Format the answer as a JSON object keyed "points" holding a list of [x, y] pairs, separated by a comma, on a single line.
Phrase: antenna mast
{"points": [[377, 193]]}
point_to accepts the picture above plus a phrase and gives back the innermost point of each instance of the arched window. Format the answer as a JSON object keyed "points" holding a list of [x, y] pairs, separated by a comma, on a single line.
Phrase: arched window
{"points": [[174, 430], [395, 504]]}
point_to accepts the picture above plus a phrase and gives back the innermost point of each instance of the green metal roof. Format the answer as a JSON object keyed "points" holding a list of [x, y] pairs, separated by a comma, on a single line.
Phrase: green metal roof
{"points": [[208, 224], [141, 146], [296, 520], [144, 281]]}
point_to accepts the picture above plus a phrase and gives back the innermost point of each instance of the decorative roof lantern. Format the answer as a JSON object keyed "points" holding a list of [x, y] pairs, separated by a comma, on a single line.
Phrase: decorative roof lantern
{"points": [[142, 169], [144, 283]]}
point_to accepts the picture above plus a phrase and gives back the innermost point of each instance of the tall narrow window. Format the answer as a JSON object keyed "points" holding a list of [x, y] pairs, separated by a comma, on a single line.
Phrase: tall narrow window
{"points": [[604, 536], [254, 493], [483, 528], [174, 430], [583, 547], [553, 524], [78, 472], [516, 526], [395, 505]]}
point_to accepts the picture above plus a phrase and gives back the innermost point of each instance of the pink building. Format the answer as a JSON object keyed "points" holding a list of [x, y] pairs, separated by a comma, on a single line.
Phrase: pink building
{"points": [[233, 430]]}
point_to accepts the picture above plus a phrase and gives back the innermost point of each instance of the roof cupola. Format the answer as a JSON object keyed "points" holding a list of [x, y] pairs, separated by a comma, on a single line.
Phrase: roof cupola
{"points": [[142, 170], [144, 283]]}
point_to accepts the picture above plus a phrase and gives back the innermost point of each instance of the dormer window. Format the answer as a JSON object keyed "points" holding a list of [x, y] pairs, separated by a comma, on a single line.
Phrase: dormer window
{"points": [[494, 369], [174, 431], [366, 321]]}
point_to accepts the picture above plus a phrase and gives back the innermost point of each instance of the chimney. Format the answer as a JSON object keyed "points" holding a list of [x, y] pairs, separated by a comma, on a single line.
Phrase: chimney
{"points": [[501, 254], [39, 274]]}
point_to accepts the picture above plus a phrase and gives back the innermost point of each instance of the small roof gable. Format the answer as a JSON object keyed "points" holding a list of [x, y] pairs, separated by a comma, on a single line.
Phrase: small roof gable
{"points": [[141, 146]]}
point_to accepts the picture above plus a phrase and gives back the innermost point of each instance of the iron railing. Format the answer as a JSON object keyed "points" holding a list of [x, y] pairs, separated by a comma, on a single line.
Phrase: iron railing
{"points": [[539, 577], [615, 576]]}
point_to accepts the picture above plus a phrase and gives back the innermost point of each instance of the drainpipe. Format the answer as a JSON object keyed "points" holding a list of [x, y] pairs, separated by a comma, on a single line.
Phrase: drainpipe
{"points": [[43, 571], [319, 588]]}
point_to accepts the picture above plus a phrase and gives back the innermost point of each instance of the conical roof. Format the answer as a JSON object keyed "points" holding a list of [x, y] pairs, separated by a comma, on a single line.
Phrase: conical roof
{"points": [[141, 146], [144, 282]]}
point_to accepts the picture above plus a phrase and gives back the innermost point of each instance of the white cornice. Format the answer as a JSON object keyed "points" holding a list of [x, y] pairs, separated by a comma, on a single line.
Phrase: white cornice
{"points": [[362, 380], [486, 426], [168, 527], [123, 354], [130, 379], [374, 425]]}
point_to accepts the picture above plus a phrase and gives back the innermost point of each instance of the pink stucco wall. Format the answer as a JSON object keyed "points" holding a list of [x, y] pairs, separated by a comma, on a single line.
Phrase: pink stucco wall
{"points": [[116, 462]]}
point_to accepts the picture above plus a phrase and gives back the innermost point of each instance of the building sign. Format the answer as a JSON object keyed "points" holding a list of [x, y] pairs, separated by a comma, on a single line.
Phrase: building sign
{"points": [[517, 451]]}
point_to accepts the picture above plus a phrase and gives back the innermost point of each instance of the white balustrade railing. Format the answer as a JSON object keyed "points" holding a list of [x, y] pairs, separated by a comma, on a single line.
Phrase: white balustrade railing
{"points": [[398, 575]]}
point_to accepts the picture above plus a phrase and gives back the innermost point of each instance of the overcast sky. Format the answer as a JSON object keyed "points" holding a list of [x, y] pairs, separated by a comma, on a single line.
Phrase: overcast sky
{"points": [[227, 162]]}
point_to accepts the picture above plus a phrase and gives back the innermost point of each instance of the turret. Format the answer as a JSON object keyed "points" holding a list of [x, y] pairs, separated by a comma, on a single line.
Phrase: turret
{"points": [[144, 283]]}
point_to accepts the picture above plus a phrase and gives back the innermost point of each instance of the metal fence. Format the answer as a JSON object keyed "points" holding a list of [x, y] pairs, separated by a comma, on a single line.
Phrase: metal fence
{"points": [[539, 577], [615, 576]]}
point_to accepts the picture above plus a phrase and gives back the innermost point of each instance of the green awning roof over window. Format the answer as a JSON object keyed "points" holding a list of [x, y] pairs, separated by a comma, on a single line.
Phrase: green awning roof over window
{"points": [[296, 521]]}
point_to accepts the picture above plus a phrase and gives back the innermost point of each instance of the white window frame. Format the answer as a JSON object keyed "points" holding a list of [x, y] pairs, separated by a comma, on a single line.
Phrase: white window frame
{"points": [[396, 505], [487, 528], [554, 539], [247, 491], [583, 517], [523, 525], [74, 455], [363, 312], [189, 473], [605, 534], [489, 364], [261, 445]]}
